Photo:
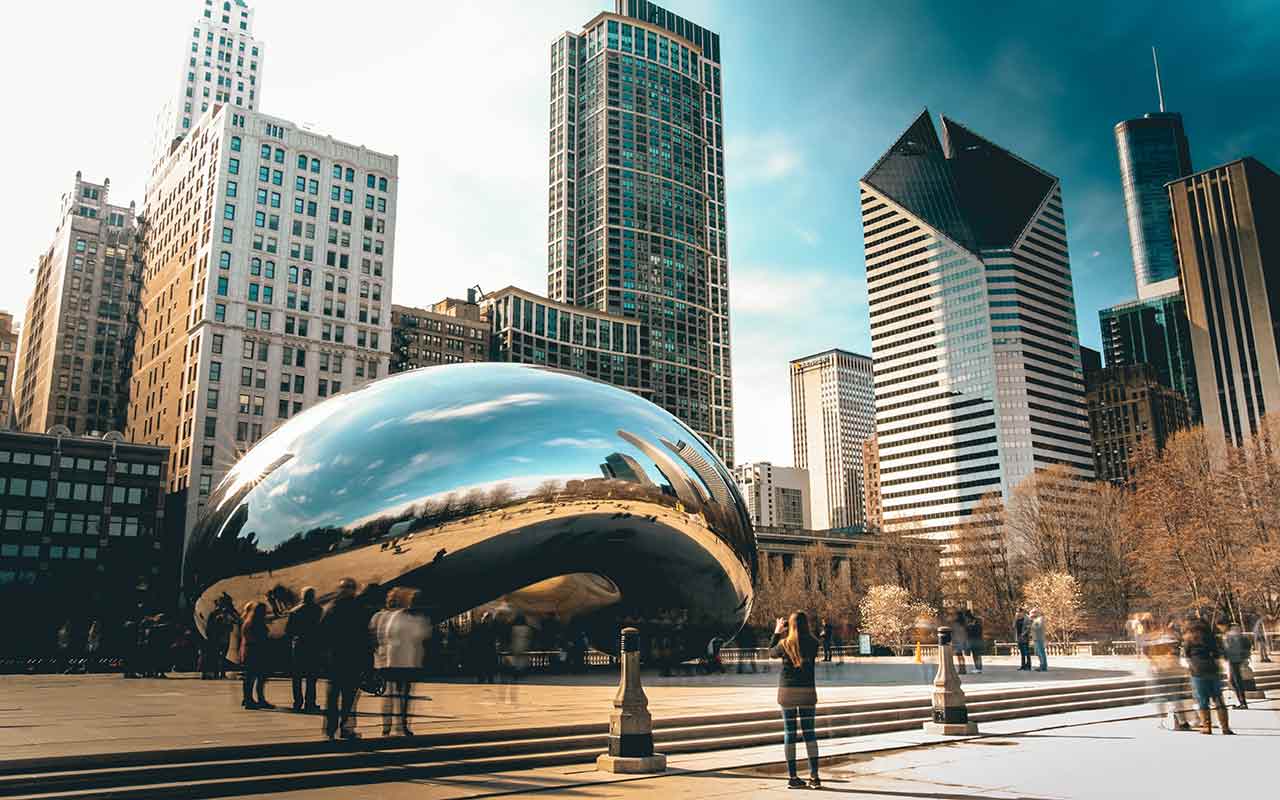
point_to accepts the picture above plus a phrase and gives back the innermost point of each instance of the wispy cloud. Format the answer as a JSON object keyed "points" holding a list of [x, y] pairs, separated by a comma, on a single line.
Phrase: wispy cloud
{"points": [[761, 158], [478, 409], [569, 441]]}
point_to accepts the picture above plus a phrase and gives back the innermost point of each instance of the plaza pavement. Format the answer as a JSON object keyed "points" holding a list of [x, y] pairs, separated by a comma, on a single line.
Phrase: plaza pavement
{"points": [[1089, 755], [52, 715]]}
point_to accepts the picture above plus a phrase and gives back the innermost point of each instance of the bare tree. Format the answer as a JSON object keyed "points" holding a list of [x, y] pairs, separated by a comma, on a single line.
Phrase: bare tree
{"points": [[981, 567], [1057, 596], [889, 614]]}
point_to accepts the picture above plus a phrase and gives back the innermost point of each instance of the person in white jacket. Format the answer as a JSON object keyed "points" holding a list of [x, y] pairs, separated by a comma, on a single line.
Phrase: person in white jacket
{"points": [[400, 631]]}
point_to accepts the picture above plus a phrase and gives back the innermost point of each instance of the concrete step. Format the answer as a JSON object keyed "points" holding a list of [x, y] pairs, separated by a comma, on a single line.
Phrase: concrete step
{"points": [[216, 772]]}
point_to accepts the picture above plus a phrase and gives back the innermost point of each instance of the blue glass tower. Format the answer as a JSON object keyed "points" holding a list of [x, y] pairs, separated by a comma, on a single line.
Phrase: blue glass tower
{"points": [[1153, 150]]}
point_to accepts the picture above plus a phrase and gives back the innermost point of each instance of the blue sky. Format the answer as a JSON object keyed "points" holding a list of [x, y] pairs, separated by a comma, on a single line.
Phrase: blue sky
{"points": [[814, 93]]}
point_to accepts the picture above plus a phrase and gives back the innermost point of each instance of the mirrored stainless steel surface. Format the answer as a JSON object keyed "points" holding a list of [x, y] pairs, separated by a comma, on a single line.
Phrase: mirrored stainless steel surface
{"points": [[559, 497]]}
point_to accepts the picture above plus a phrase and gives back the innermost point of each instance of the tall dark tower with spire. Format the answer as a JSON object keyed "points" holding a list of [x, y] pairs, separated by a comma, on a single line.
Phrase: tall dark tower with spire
{"points": [[1153, 150]]}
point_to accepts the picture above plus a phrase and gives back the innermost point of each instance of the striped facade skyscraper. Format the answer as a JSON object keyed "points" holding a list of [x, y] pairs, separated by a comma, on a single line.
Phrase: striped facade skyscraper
{"points": [[636, 214], [973, 326]]}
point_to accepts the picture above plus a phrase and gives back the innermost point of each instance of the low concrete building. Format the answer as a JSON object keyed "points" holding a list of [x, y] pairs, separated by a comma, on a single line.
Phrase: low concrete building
{"points": [[777, 497], [84, 535]]}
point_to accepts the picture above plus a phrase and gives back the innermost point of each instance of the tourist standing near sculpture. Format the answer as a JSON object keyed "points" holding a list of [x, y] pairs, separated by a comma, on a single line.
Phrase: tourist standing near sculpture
{"points": [[301, 631], [401, 632], [796, 646], [344, 631]]}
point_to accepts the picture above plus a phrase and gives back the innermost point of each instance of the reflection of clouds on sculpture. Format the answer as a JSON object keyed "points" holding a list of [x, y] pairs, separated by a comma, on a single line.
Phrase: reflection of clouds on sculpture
{"points": [[515, 475]]}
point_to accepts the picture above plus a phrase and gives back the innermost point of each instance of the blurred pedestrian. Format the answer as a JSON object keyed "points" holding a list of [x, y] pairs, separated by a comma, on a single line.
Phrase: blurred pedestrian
{"points": [[482, 649], [795, 645], [401, 632], [925, 632], [825, 634], [63, 638], [1237, 648], [521, 639], [301, 631], [1037, 636], [344, 632], [959, 622], [1022, 635], [1161, 648], [254, 641], [160, 637], [1260, 638], [1201, 649], [973, 628], [92, 644]]}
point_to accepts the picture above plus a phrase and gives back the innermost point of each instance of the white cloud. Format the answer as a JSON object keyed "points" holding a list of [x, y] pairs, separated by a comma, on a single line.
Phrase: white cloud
{"points": [[760, 158], [569, 441], [477, 409]]}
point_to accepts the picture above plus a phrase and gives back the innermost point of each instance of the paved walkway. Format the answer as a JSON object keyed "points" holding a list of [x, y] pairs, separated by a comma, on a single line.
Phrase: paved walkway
{"points": [[1095, 755], [50, 715]]}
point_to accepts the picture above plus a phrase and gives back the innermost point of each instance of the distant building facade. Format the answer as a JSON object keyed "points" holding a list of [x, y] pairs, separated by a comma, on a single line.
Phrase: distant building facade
{"points": [[1154, 331], [636, 222], [450, 332], [1131, 412], [1226, 223], [973, 326], [80, 323], [1153, 150], [832, 414], [527, 328], [777, 497], [83, 535], [265, 291], [871, 483], [8, 368]]}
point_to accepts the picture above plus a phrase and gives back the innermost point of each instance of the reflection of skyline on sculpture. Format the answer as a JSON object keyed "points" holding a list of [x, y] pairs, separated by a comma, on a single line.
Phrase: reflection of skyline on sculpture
{"points": [[461, 457]]}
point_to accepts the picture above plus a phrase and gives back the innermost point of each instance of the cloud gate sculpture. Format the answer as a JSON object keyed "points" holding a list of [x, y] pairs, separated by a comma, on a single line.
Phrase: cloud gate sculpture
{"points": [[497, 485]]}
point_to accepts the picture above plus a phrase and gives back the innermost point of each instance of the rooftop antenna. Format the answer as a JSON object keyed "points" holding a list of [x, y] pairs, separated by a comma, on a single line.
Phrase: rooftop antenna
{"points": [[1159, 89]]}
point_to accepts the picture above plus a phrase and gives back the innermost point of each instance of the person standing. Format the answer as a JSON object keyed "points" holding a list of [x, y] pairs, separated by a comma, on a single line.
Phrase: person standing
{"points": [[1260, 639], [1237, 649], [300, 630], [254, 641], [1037, 636], [521, 640], [959, 622], [1161, 648], [64, 647], [400, 631], [826, 639], [1201, 648], [797, 695], [973, 625], [1022, 635], [92, 643], [482, 649], [344, 632]]}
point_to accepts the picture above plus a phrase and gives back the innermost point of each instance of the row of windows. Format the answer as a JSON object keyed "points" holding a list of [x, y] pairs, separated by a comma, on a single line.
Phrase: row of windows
{"points": [[32, 521]]}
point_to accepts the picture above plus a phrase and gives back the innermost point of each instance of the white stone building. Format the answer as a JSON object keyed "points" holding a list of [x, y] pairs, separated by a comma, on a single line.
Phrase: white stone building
{"points": [[267, 287], [221, 65], [777, 497], [832, 415]]}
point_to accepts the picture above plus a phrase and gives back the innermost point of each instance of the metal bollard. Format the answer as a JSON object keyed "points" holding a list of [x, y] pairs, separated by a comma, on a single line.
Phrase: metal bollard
{"points": [[950, 714], [630, 725]]}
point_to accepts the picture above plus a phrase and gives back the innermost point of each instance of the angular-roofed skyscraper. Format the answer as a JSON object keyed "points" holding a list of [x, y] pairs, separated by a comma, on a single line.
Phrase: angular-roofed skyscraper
{"points": [[973, 326]]}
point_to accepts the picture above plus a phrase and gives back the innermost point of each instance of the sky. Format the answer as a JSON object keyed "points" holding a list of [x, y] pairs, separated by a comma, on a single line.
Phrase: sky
{"points": [[814, 94]]}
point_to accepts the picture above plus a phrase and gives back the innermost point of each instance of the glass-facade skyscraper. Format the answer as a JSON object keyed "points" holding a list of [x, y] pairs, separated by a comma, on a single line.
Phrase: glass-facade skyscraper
{"points": [[1154, 331], [973, 327], [1153, 150], [636, 214]]}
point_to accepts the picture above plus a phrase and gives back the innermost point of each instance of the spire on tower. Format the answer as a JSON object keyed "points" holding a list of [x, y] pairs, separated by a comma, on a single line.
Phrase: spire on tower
{"points": [[1159, 89]]}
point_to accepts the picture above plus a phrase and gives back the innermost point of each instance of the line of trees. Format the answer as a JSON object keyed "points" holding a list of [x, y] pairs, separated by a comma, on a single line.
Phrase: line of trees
{"points": [[1197, 529]]}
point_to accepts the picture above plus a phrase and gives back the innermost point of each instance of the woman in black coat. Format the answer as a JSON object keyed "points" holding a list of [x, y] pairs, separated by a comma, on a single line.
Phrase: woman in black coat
{"points": [[795, 645]]}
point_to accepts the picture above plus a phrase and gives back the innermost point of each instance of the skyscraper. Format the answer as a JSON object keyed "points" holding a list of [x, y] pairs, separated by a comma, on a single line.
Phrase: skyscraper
{"points": [[832, 415], [77, 336], [1153, 150], [222, 64], [8, 367], [973, 326], [267, 287], [1226, 224], [1154, 331], [636, 217]]}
